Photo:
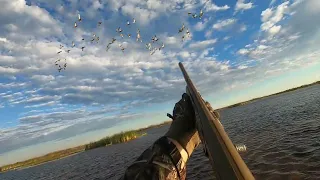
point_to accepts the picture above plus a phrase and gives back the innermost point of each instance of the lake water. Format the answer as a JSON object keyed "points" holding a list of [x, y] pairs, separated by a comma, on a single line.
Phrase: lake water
{"points": [[282, 134]]}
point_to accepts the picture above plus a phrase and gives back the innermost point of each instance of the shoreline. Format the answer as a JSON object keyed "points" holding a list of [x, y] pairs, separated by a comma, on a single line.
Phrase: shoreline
{"points": [[26, 167], [258, 98], [122, 137]]}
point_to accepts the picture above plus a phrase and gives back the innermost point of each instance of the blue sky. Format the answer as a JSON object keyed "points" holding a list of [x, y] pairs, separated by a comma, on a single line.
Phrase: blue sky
{"points": [[237, 51]]}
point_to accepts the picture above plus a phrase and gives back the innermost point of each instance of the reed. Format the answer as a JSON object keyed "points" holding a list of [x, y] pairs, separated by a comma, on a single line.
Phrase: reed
{"points": [[110, 140], [43, 159], [115, 139]]}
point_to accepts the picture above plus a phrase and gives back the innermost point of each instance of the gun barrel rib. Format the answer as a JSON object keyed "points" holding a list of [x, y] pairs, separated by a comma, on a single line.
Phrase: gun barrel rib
{"points": [[224, 158]]}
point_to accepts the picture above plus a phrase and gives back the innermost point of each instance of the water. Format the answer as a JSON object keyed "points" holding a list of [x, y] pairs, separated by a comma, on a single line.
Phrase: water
{"points": [[282, 134]]}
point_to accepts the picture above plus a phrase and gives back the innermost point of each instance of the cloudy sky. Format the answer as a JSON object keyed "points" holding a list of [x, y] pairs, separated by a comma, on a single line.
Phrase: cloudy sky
{"points": [[238, 50]]}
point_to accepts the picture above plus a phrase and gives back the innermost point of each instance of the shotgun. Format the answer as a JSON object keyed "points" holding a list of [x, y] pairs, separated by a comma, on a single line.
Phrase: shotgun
{"points": [[223, 155]]}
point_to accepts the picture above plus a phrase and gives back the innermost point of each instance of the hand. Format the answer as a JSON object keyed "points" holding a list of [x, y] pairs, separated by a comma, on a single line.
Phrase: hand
{"points": [[183, 128]]}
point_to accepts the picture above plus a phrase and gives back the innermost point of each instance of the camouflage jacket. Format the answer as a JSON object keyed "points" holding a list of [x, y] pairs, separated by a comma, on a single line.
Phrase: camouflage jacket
{"points": [[161, 161]]}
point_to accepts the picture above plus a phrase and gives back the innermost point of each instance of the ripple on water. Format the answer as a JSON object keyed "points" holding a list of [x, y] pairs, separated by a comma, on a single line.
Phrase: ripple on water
{"points": [[281, 133]]}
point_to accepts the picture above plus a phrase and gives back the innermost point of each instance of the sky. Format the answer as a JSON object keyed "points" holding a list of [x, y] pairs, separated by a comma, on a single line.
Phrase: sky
{"points": [[236, 51]]}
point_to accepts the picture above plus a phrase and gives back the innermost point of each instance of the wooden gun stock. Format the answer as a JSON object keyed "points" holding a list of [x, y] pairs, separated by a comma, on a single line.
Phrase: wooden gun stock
{"points": [[224, 158]]}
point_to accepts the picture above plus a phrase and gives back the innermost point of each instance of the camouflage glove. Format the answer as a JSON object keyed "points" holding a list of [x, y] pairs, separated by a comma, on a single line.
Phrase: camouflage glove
{"points": [[183, 128]]}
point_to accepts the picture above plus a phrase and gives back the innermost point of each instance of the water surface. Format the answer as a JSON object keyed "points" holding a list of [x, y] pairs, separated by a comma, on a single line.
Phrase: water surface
{"points": [[282, 134]]}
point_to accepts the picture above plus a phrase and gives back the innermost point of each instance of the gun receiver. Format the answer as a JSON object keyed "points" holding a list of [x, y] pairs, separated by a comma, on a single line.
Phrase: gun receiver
{"points": [[223, 155]]}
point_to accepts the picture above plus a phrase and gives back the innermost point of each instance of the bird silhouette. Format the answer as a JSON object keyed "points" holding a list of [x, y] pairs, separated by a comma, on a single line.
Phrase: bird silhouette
{"points": [[121, 47], [161, 47], [154, 38], [138, 35], [200, 14], [153, 51], [183, 37], [148, 46], [56, 62], [188, 32], [182, 28], [119, 30]]}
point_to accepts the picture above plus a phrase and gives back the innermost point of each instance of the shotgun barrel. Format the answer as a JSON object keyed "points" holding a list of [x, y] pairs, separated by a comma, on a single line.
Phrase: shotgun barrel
{"points": [[224, 157]]}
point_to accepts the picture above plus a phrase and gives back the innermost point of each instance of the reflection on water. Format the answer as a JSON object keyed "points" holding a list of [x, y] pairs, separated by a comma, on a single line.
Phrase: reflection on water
{"points": [[281, 133]]}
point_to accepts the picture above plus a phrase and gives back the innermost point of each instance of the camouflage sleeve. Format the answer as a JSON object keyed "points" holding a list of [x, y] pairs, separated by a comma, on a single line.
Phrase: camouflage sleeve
{"points": [[161, 161]]}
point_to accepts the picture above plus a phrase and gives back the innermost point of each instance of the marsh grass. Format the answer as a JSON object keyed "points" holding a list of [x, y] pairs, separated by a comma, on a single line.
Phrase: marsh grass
{"points": [[43, 159], [114, 139], [110, 140]]}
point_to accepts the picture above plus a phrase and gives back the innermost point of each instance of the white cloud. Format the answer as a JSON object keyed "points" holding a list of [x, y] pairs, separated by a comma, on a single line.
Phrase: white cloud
{"points": [[272, 2], [97, 5], [227, 47], [200, 26], [142, 15], [289, 45], [210, 6], [266, 14], [279, 12], [36, 100], [243, 51], [274, 30], [13, 85], [185, 54], [243, 28], [262, 47], [241, 5], [43, 78], [97, 81], [206, 52], [145, 11], [11, 27], [242, 67], [226, 38], [8, 70], [202, 44], [271, 17], [3, 40], [208, 34], [223, 24], [39, 19], [171, 40], [50, 103]]}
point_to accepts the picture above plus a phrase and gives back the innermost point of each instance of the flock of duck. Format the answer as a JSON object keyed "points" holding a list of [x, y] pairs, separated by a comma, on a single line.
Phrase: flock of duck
{"points": [[151, 46]]}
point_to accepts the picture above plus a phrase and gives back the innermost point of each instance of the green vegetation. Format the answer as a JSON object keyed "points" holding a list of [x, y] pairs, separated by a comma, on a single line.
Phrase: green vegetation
{"points": [[155, 126], [115, 139], [42, 159], [122, 137], [110, 140]]}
